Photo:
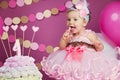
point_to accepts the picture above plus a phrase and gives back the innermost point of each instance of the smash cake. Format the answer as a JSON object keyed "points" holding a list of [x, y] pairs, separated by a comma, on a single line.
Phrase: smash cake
{"points": [[19, 67]]}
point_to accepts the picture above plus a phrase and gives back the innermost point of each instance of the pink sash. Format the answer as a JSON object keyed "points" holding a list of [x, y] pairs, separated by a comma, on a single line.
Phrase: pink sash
{"points": [[75, 53]]}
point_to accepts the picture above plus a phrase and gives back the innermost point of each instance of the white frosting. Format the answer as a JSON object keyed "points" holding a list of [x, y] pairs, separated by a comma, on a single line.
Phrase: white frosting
{"points": [[19, 66]]}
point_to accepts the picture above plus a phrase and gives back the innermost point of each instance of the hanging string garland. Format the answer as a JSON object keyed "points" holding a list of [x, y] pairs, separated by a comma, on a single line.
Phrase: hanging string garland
{"points": [[75, 1], [38, 16], [13, 3], [31, 17], [30, 44], [24, 19]]}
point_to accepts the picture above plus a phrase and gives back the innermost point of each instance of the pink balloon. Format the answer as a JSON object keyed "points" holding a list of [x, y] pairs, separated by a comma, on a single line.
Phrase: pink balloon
{"points": [[110, 22], [1, 25]]}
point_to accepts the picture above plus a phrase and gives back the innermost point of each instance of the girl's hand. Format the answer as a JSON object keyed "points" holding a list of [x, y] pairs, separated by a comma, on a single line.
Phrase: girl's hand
{"points": [[65, 39], [96, 42], [67, 36]]}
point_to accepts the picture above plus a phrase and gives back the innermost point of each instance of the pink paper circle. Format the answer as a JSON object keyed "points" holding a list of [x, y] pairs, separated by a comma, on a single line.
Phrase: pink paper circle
{"points": [[8, 21], [62, 8], [68, 4], [32, 18], [39, 16], [11, 38], [12, 3], [42, 47], [1, 64], [20, 3], [34, 46]]}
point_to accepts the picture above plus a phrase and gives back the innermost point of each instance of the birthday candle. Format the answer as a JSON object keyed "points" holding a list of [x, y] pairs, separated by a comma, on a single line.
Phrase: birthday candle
{"points": [[17, 48]]}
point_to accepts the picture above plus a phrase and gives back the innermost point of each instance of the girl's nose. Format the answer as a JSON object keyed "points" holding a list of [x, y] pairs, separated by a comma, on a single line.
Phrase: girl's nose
{"points": [[71, 22]]}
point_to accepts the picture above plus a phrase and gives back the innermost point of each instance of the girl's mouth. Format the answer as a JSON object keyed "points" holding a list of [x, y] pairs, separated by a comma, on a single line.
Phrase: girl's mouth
{"points": [[72, 28]]}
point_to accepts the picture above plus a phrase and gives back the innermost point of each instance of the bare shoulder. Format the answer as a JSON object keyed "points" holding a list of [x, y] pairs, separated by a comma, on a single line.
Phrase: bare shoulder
{"points": [[92, 36], [91, 33]]}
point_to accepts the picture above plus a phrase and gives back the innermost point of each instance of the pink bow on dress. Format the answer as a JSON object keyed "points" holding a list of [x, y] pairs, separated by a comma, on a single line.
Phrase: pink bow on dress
{"points": [[75, 53]]}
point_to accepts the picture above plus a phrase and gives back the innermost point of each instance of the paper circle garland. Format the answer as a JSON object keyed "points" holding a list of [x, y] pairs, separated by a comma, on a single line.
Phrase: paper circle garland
{"points": [[49, 49], [28, 2], [4, 4], [8, 21], [34, 46], [26, 43], [69, 4], [20, 3], [24, 19], [4, 36], [75, 1], [62, 8], [12, 3], [42, 47], [39, 16], [54, 11], [16, 20], [35, 1], [32, 18], [47, 13]]}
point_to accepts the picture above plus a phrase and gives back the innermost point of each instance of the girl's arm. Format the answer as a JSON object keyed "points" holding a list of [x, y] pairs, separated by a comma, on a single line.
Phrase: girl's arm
{"points": [[64, 40], [96, 42], [98, 45], [62, 44]]}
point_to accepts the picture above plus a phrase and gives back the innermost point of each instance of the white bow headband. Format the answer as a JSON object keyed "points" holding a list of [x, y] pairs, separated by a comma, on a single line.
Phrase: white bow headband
{"points": [[82, 7]]}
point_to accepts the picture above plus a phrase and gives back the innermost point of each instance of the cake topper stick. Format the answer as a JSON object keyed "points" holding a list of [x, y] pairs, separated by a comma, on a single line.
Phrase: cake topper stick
{"points": [[14, 27], [23, 28], [4, 46], [6, 29], [35, 29], [17, 48]]}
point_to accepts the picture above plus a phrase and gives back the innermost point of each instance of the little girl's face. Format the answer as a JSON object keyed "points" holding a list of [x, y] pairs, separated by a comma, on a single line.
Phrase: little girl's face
{"points": [[75, 22]]}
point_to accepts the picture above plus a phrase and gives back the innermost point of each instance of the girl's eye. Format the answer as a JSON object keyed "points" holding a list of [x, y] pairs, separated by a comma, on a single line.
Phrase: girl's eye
{"points": [[68, 19], [75, 19]]}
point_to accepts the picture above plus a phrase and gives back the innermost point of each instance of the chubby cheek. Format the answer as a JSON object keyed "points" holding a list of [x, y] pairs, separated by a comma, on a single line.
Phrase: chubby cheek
{"points": [[78, 29], [80, 26], [67, 23]]}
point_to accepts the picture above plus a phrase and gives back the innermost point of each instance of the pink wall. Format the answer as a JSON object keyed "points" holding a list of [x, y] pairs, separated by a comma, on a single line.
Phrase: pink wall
{"points": [[51, 28]]}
